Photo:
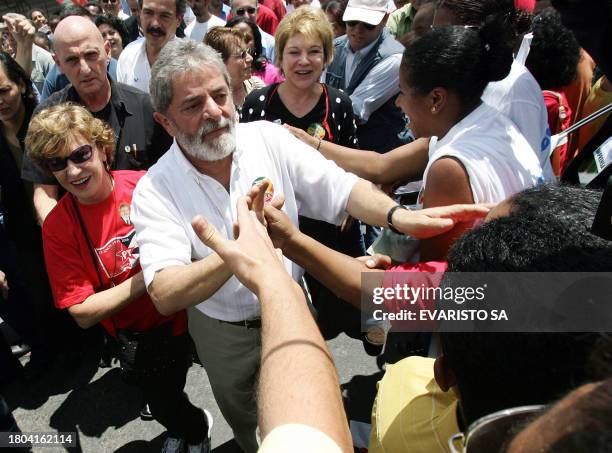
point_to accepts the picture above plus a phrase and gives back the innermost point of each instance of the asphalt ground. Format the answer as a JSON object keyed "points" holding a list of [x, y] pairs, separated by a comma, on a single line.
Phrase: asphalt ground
{"points": [[104, 411]]}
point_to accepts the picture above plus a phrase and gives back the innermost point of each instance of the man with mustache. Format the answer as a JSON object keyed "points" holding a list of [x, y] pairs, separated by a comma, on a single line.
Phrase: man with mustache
{"points": [[159, 20], [212, 162]]}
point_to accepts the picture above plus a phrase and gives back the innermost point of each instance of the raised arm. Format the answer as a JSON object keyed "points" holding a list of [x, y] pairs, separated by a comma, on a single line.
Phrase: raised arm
{"points": [[298, 382], [23, 32], [404, 163]]}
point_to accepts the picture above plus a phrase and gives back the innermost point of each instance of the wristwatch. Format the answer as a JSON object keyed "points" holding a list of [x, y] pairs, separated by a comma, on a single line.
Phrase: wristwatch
{"points": [[390, 217]]}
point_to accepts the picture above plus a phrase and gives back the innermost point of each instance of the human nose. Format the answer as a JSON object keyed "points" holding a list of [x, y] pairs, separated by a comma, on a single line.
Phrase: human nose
{"points": [[212, 110], [72, 169], [84, 67]]}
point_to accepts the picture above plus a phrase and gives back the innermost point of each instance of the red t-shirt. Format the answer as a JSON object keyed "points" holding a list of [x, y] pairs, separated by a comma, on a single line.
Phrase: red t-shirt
{"points": [[276, 6], [266, 19], [70, 264]]}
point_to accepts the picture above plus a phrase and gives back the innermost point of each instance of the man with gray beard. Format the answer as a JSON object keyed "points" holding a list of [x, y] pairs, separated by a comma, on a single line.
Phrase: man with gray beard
{"points": [[212, 162]]}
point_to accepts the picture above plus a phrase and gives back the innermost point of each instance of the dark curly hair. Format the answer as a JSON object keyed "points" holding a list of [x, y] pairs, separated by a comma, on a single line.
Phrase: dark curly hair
{"points": [[554, 53], [461, 59], [115, 23], [17, 75]]}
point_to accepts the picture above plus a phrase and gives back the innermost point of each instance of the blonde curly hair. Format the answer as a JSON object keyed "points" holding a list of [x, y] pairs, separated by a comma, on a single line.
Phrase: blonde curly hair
{"points": [[54, 130]]}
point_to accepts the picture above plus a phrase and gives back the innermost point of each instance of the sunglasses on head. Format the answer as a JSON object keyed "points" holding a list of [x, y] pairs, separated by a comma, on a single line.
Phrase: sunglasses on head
{"points": [[250, 10], [82, 154], [354, 23]]}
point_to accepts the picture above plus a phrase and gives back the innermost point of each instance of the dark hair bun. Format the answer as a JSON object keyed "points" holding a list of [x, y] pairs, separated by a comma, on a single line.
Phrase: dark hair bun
{"points": [[497, 38]]}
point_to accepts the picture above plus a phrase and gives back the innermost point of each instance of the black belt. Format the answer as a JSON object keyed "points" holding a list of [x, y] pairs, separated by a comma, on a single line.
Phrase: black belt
{"points": [[248, 323]]}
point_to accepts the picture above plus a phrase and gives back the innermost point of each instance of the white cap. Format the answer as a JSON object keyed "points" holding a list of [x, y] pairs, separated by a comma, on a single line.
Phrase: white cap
{"points": [[369, 11]]}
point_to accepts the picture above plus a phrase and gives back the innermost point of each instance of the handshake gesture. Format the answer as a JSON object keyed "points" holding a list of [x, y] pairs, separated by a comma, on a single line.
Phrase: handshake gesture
{"points": [[262, 228]]}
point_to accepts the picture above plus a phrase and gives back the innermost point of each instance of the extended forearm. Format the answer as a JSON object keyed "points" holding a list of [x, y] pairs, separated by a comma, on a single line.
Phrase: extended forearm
{"points": [[101, 305], [178, 287], [23, 56], [298, 381], [369, 204], [340, 273], [365, 164]]}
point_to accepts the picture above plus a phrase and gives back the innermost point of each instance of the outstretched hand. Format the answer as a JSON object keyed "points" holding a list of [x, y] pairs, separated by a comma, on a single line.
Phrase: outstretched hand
{"points": [[431, 222], [20, 27], [251, 256], [302, 135]]}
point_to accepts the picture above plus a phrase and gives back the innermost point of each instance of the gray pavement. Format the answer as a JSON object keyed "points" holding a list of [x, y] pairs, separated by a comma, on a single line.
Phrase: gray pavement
{"points": [[104, 411]]}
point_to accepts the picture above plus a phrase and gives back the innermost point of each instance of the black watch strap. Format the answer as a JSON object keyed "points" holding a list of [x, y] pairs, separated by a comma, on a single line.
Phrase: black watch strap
{"points": [[390, 217]]}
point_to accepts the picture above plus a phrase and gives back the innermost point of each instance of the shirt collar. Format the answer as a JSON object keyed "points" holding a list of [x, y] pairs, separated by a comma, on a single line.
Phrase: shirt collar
{"points": [[116, 99]]}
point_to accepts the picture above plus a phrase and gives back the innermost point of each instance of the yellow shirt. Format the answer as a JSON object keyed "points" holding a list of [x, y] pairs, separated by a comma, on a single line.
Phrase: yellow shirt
{"points": [[411, 413], [597, 99]]}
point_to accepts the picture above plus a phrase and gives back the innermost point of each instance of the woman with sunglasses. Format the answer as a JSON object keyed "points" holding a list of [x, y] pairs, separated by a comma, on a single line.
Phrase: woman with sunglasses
{"points": [[93, 264], [261, 66], [231, 44], [304, 46]]}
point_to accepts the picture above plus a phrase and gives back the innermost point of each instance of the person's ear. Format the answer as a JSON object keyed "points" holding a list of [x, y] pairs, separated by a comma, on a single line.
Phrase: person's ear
{"points": [[107, 50], [439, 98], [444, 376], [165, 123]]}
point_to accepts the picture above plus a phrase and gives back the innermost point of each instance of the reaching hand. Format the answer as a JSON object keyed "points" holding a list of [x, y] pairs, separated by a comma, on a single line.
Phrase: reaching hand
{"points": [[434, 221], [280, 227], [251, 257], [302, 135], [20, 27], [376, 261]]}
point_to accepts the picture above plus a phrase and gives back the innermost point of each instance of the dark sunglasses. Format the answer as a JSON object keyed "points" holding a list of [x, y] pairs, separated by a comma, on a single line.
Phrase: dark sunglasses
{"points": [[82, 154], [243, 54], [354, 23], [241, 11]]}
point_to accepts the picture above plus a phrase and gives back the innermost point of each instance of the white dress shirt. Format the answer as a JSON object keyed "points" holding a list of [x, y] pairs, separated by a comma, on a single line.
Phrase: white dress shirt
{"points": [[133, 66], [173, 192], [267, 43]]}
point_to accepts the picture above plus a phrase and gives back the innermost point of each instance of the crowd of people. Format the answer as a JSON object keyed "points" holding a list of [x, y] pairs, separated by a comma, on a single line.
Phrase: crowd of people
{"points": [[187, 179]]}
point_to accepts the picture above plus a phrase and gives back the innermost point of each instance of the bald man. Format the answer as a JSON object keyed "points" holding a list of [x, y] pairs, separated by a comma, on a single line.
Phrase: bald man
{"points": [[82, 55]]}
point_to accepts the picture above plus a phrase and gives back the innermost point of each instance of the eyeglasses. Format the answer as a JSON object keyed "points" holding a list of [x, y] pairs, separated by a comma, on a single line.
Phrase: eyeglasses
{"points": [[249, 9], [243, 54], [82, 154], [109, 1], [354, 23]]}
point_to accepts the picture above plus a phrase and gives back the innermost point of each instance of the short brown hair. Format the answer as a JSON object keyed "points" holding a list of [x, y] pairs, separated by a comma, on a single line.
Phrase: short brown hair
{"points": [[53, 130], [223, 40], [310, 22]]}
